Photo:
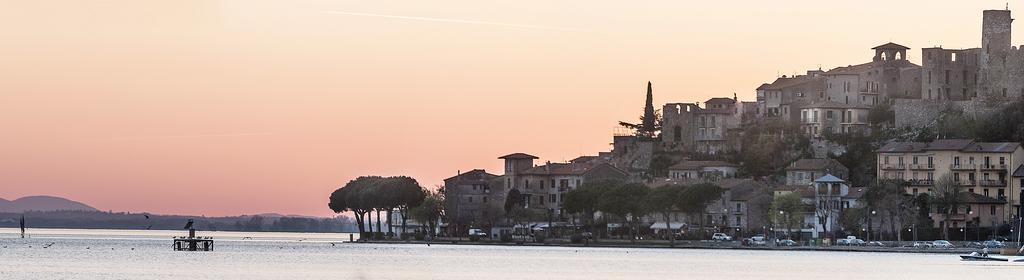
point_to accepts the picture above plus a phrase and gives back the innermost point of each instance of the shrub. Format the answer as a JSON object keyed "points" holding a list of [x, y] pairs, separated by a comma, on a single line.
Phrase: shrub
{"points": [[474, 238], [420, 236], [505, 237], [576, 238], [540, 237]]}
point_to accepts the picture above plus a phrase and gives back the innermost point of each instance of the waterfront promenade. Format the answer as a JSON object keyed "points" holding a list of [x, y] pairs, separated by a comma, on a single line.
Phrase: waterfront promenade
{"points": [[904, 247]]}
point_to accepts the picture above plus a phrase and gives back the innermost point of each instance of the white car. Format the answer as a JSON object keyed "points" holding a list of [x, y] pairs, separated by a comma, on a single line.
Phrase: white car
{"points": [[477, 232], [942, 244], [758, 240], [721, 237]]}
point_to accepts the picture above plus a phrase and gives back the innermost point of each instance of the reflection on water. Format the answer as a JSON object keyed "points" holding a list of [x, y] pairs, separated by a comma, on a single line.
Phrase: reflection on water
{"points": [[126, 254]]}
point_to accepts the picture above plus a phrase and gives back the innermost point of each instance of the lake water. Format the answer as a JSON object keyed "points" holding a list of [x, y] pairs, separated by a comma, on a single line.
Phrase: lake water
{"points": [[131, 254]]}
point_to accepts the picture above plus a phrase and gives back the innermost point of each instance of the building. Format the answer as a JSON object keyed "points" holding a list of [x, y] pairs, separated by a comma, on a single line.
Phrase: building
{"points": [[786, 90], [889, 75], [732, 213], [975, 81], [543, 187], [803, 171], [474, 198], [706, 170], [688, 127], [982, 168], [828, 197], [820, 117]]}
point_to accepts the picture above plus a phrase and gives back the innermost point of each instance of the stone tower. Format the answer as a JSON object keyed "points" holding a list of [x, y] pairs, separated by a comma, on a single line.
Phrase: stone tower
{"points": [[995, 50]]}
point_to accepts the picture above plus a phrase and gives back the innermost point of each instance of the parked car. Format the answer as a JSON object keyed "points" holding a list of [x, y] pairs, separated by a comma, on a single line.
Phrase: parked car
{"points": [[993, 244], [876, 244], [588, 235], [786, 242], [477, 232], [942, 244], [718, 236], [758, 240], [921, 244]]}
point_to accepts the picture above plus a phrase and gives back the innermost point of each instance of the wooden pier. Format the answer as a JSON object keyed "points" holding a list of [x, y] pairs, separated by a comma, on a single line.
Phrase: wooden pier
{"points": [[192, 242]]}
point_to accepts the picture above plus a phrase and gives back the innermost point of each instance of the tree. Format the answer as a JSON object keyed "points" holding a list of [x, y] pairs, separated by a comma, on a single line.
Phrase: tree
{"points": [[881, 115], [405, 193], [659, 166], [787, 210], [663, 201], [888, 199], [356, 196], [585, 199], [624, 200], [1006, 124], [946, 196], [429, 211], [695, 199], [650, 121]]}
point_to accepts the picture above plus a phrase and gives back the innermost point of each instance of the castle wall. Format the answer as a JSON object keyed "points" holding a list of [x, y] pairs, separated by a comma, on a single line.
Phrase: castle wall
{"points": [[917, 113]]}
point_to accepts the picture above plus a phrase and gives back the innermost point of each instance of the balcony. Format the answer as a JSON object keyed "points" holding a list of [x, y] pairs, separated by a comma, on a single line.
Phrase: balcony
{"points": [[922, 166], [969, 166], [992, 183], [917, 182], [993, 167], [965, 183], [893, 166]]}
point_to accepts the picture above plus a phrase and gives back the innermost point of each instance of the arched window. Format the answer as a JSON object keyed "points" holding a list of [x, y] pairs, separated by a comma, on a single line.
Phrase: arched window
{"points": [[677, 133]]}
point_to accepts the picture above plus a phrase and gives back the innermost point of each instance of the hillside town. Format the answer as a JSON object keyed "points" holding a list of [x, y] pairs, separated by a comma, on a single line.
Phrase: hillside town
{"points": [[883, 149]]}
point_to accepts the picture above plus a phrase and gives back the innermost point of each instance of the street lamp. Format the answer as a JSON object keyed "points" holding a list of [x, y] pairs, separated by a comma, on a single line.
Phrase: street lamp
{"points": [[870, 227]]}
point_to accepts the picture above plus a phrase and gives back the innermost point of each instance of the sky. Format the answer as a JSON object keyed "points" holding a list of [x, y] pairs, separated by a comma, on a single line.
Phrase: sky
{"points": [[253, 106]]}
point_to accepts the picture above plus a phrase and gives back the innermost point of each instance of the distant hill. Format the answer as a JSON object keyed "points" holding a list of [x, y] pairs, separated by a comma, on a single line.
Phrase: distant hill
{"points": [[42, 203]]}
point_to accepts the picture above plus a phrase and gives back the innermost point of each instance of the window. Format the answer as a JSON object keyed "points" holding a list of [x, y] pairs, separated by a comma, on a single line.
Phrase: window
{"points": [[541, 184], [985, 192], [553, 198], [527, 182], [828, 114], [738, 208], [470, 199], [992, 210], [1001, 193], [485, 199], [564, 183]]}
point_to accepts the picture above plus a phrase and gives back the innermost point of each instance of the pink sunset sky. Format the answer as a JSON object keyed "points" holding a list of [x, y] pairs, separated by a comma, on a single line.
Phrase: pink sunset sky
{"points": [[249, 106]]}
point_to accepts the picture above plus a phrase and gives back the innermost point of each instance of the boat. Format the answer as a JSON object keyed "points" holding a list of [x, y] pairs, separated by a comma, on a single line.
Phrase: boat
{"points": [[974, 256]]}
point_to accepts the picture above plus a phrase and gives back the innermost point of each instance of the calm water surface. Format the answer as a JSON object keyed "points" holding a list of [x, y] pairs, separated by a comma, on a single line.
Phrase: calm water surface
{"points": [[128, 254]]}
